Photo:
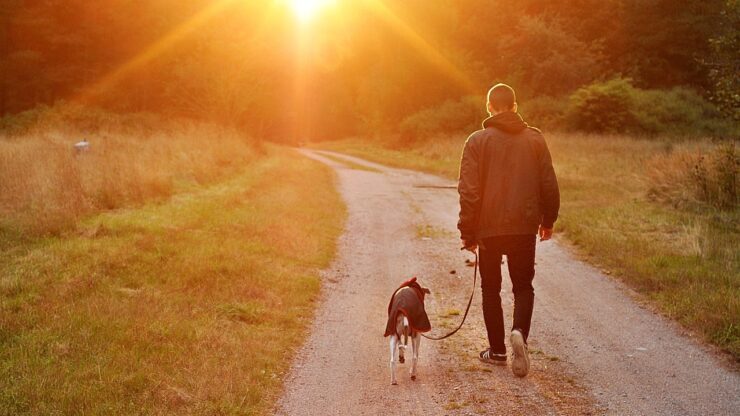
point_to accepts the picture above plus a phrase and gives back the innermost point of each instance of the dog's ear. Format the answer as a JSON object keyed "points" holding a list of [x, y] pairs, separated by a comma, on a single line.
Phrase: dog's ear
{"points": [[426, 290]]}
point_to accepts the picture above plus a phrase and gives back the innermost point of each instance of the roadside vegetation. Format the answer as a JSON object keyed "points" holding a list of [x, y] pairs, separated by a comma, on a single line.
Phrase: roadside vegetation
{"points": [[180, 281], [606, 107], [661, 215], [46, 186]]}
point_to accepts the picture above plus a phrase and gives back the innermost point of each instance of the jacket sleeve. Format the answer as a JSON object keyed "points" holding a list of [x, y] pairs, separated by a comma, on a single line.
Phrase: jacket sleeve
{"points": [[549, 190], [468, 187]]}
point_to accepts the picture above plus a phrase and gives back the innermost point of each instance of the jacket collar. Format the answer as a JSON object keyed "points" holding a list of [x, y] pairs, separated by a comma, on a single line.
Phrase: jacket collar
{"points": [[509, 122]]}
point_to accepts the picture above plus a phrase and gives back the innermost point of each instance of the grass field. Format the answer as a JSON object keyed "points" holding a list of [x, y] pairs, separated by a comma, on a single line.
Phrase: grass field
{"points": [[46, 187], [189, 303], [686, 259]]}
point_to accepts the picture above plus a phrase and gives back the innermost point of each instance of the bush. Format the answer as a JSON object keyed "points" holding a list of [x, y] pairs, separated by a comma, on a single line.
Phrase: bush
{"points": [[544, 111], [691, 177], [74, 118], [678, 111], [616, 106], [465, 114], [606, 107]]}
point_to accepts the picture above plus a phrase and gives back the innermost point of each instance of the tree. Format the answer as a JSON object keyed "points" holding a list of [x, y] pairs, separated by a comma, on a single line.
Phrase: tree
{"points": [[724, 62]]}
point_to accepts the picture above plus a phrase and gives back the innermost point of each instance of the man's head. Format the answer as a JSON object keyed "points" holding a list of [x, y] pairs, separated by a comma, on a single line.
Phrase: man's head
{"points": [[501, 98]]}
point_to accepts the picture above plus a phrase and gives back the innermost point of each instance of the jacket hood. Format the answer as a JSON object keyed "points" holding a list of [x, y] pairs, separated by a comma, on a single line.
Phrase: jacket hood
{"points": [[509, 122]]}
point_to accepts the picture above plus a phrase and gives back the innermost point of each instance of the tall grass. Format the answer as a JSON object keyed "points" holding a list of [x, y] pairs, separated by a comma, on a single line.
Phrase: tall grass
{"points": [[692, 176], [46, 186], [619, 209], [169, 269], [186, 306]]}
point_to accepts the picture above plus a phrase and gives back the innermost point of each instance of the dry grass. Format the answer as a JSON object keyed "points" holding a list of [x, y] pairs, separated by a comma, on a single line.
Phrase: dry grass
{"points": [[183, 306], [695, 175], [164, 271], [46, 187], [686, 257]]}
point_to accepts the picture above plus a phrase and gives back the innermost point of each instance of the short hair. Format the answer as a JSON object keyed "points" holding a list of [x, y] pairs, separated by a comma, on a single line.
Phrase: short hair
{"points": [[501, 97]]}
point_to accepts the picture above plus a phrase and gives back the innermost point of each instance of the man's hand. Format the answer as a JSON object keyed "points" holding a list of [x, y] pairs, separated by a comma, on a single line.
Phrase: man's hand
{"points": [[469, 245], [545, 233]]}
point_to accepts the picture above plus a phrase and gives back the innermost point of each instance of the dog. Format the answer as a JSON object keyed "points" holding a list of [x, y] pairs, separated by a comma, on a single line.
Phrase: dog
{"points": [[406, 318]]}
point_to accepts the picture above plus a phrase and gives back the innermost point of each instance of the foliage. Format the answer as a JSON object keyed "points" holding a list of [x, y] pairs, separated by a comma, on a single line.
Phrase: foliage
{"points": [[82, 121], [449, 117], [678, 111], [540, 56], [723, 63], [545, 111], [363, 69], [663, 41], [616, 106], [604, 107]]}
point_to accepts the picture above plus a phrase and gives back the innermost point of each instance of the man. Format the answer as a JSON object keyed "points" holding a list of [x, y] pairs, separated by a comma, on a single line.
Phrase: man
{"points": [[508, 195]]}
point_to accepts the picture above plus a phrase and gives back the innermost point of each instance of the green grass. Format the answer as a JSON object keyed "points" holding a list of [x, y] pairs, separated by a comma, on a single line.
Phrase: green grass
{"points": [[441, 158], [430, 232], [348, 163], [685, 260], [451, 312], [186, 306], [455, 405]]}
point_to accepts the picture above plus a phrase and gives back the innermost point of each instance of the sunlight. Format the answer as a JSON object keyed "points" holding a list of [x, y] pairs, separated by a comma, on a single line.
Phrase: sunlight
{"points": [[154, 50], [306, 10], [408, 34]]}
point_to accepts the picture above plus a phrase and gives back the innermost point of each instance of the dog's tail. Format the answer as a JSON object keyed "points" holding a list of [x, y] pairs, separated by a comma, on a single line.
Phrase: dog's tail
{"points": [[405, 330]]}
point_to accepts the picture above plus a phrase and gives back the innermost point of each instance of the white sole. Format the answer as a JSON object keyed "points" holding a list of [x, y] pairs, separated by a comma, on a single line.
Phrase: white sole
{"points": [[520, 358]]}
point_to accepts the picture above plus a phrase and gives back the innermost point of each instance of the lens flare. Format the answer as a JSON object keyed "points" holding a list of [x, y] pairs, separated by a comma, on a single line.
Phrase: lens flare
{"points": [[306, 10]]}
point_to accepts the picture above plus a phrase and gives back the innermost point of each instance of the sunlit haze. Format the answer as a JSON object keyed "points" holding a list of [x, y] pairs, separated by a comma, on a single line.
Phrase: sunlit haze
{"points": [[306, 10]]}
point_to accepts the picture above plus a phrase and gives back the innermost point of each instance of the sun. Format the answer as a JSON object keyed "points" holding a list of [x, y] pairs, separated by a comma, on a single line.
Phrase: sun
{"points": [[306, 10]]}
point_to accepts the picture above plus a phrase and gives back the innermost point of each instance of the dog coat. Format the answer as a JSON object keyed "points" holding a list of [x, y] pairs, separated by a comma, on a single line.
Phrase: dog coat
{"points": [[408, 299]]}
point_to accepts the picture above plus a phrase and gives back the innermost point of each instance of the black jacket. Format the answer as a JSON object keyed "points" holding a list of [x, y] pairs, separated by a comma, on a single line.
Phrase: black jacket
{"points": [[507, 184]]}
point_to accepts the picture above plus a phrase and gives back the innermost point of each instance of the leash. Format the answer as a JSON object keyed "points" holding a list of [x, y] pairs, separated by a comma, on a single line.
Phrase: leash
{"points": [[467, 309]]}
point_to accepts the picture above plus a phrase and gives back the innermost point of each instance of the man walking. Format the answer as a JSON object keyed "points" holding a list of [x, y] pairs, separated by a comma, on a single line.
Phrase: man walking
{"points": [[508, 195]]}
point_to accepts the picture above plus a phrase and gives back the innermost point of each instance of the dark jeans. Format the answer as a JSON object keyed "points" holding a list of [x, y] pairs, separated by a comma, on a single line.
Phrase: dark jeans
{"points": [[519, 251]]}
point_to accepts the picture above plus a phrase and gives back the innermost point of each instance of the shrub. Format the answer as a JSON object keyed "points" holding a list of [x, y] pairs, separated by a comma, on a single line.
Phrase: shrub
{"points": [[70, 118], [544, 111], [616, 106], [603, 107], [690, 177], [678, 111], [449, 117]]}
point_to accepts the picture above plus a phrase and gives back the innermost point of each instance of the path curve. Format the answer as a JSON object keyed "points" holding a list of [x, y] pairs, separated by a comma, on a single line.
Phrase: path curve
{"points": [[595, 349]]}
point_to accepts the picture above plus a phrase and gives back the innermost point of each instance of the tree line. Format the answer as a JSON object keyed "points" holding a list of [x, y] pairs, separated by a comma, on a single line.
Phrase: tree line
{"points": [[362, 68]]}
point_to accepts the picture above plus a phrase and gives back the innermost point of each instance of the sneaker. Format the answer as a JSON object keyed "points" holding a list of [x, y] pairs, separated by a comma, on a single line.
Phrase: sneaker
{"points": [[490, 358], [519, 354]]}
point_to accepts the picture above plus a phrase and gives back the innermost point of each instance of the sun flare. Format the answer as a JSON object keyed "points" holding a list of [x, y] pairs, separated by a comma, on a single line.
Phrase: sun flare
{"points": [[306, 10]]}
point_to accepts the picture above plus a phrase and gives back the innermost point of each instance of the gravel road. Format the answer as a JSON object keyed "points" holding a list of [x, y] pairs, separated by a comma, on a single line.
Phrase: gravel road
{"points": [[595, 348]]}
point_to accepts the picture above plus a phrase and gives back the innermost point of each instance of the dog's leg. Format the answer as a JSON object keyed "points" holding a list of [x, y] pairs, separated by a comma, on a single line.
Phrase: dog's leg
{"points": [[403, 326], [415, 342], [394, 347]]}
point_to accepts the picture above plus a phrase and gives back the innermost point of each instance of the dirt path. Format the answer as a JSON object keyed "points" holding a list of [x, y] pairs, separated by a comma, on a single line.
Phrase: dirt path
{"points": [[594, 349]]}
